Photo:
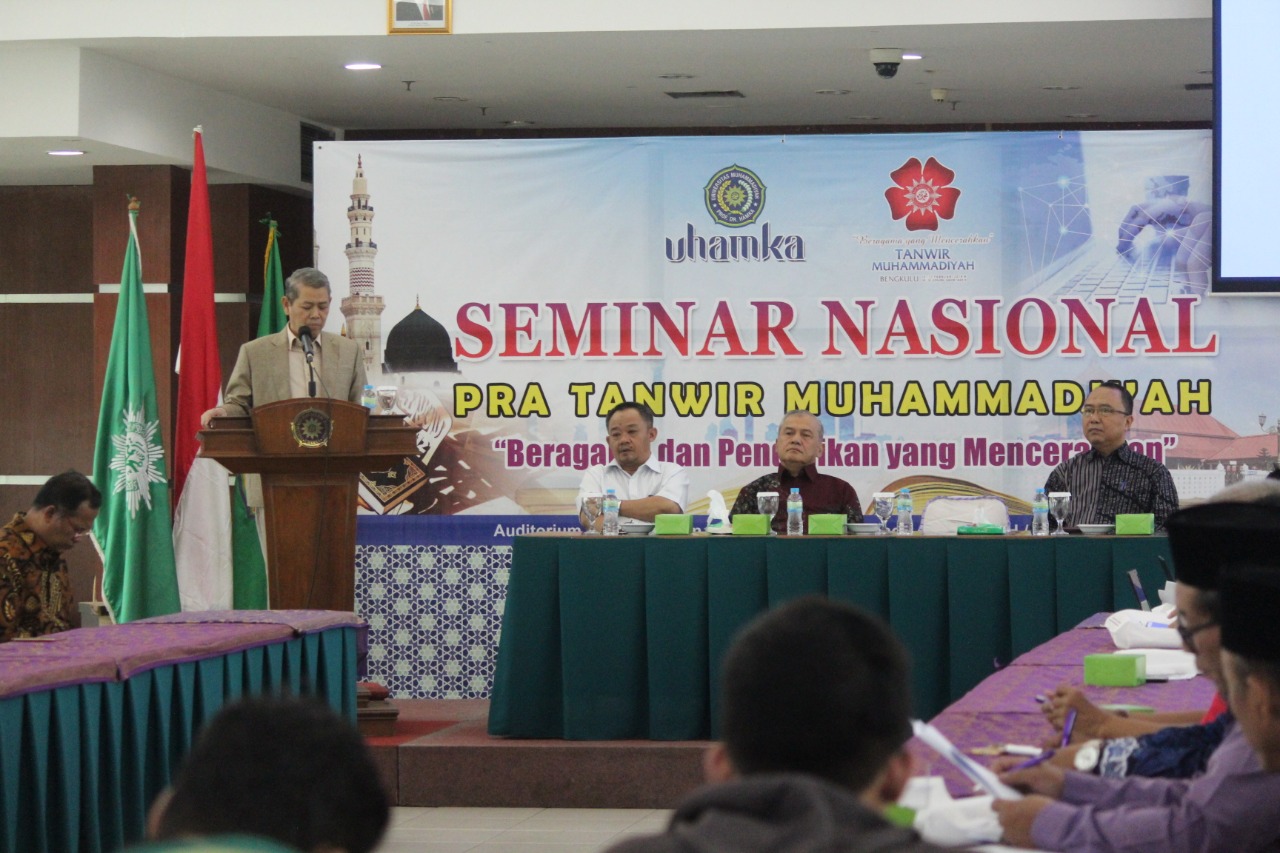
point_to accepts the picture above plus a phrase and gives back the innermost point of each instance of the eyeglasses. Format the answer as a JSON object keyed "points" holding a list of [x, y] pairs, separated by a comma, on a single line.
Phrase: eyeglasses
{"points": [[1104, 411], [1188, 634]]}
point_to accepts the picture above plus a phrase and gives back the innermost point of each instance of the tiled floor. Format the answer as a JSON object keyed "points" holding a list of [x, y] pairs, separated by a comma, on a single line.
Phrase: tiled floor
{"points": [[466, 830]]}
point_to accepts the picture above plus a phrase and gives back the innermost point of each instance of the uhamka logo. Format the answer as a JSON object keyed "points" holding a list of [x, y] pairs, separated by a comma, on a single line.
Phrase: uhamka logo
{"points": [[922, 194], [735, 196]]}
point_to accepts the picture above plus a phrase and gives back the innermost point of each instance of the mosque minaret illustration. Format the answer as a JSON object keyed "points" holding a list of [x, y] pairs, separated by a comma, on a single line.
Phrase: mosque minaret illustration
{"points": [[418, 342], [363, 307]]}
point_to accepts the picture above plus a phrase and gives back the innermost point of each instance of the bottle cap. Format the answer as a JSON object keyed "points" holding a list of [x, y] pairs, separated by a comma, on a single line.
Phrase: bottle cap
{"points": [[795, 490]]}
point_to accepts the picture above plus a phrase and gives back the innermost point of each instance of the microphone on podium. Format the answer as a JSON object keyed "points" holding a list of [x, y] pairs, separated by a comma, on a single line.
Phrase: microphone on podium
{"points": [[308, 348], [304, 336]]}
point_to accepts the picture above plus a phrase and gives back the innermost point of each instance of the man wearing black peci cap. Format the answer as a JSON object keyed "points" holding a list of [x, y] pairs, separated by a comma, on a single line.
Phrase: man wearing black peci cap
{"points": [[1231, 807], [1251, 659]]}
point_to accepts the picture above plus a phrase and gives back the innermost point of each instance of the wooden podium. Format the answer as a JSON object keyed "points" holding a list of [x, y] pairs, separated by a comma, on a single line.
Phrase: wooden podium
{"points": [[309, 452]]}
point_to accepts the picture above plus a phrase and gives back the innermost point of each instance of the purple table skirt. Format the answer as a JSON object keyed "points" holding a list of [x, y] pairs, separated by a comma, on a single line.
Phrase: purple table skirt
{"points": [[301, 621], [1068, 649], [26, 666], [117, 652], [1014, 688]]}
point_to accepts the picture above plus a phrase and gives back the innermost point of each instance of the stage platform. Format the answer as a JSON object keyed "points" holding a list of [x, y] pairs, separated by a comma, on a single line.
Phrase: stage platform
{"points": [[442, 755]]}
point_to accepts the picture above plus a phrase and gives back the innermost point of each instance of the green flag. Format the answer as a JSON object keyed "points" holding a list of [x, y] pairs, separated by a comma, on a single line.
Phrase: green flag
{"points": [[133, 531], [248, 566], [272, 318]]}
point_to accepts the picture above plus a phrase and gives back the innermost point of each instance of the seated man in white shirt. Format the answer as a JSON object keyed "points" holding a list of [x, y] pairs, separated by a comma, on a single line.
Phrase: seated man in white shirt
{"points": [[645, 486]]}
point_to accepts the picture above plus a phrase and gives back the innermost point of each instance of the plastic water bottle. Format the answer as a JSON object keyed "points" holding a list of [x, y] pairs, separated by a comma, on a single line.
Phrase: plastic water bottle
{"points": [[905, 524], [611, 505], [369, 398], [1040, 514], [795, 514]]}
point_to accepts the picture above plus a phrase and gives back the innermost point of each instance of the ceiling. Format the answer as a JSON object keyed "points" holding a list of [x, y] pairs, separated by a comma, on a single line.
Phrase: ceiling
{"points": [[1065, 74]]}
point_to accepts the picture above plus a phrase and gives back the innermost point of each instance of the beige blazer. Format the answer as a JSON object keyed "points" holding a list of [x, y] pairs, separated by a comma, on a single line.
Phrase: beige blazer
{"points": [[261, 374]]}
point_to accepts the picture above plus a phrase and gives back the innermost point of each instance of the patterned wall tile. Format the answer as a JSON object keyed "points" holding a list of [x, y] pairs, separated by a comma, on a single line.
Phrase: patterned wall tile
{"points": [[435, 614]]}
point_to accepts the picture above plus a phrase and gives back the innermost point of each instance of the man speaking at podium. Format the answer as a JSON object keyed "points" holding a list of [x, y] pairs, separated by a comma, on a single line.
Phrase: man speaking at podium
{"points": [[274, 367]]}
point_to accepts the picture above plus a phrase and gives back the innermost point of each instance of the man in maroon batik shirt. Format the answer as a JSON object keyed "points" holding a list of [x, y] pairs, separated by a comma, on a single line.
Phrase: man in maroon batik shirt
{"points": [[798, 447]]}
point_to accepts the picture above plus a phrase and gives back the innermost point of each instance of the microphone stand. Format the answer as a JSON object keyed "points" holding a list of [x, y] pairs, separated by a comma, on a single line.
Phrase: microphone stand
{"points": [[311, 370], [308, 349]]}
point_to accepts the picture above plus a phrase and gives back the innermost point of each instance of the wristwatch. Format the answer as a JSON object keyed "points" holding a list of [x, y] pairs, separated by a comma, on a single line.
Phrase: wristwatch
{"points": [[1088, 756]]}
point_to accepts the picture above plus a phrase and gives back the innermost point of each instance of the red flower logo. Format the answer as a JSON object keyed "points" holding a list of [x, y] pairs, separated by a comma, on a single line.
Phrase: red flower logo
{"points": [[922, 194]]}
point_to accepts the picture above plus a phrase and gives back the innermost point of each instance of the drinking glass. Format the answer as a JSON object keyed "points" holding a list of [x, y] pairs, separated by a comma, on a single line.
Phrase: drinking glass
{"points": [[882, 503], [1059, 504], [591, 507], [767, 505], [387, 397]]}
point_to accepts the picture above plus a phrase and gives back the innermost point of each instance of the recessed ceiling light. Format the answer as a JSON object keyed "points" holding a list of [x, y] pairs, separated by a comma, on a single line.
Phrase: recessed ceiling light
{"points": [[1059, 88], [448, 99], [1081, 115], [362, 66], [518, 122], [68, 152], [911, 57], [864, 118], [833, 92], [675, 76]]}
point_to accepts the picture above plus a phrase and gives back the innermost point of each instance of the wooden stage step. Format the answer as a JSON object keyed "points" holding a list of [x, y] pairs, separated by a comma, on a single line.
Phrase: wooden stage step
{"points": [[441, 755]]}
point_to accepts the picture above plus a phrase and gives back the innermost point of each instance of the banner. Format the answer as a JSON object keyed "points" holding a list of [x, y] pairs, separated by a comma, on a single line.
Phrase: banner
{"points": [[943, 302]]}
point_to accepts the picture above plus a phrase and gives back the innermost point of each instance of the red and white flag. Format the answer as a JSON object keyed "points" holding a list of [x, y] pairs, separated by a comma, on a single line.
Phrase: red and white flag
{"points": [[202, 521]]}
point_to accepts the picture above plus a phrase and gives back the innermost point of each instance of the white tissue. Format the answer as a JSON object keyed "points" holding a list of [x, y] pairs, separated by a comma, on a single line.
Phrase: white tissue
{"points": [[717, 512], [960, 822]]}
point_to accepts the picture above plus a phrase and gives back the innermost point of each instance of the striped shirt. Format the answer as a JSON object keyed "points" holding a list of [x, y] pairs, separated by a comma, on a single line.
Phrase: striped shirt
{"points": [[1103, 487]]}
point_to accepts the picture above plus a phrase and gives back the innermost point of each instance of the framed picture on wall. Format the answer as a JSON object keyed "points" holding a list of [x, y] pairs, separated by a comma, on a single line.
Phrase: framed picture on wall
{"points": [[419, 16]]}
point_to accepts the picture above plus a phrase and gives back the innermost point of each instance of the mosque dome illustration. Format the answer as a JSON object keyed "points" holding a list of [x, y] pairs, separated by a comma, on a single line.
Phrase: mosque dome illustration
{"points": [[419, 343]]}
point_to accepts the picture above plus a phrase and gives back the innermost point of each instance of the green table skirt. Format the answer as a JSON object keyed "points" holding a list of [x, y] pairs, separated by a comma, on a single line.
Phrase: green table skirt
{"points": [[80, 764], [611, 639]]}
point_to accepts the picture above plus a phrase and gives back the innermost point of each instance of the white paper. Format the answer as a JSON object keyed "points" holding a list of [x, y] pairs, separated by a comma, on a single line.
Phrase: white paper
{"points": [[980, 776]]}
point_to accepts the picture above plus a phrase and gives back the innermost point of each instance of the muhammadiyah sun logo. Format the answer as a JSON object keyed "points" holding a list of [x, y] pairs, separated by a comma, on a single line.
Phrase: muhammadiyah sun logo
{"points": [[735, 196], [137, 459], [922, 194]]}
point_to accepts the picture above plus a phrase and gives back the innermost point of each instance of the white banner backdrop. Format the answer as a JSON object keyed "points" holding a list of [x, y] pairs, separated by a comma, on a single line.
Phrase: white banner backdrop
{"points": [[941, 301]]}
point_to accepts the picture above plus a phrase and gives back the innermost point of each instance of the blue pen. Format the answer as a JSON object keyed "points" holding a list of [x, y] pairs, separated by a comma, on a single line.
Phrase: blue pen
{"points": [[1068, 726], [1032, 762]]}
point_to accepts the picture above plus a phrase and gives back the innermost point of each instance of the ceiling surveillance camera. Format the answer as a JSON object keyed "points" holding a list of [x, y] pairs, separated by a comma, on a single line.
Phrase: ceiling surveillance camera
{"points": [[886, 60]]}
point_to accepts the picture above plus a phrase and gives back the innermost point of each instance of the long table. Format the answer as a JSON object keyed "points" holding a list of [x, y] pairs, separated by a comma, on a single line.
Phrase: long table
{"points": [[1002, 709], [622, 638], [94, 722]]}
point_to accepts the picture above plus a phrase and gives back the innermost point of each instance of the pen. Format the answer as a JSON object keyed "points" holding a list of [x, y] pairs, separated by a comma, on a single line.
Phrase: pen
{"points": [[1032, 762], [1068, 726]]}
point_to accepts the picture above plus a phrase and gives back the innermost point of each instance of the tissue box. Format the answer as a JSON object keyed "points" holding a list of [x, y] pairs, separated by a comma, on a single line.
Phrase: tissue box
{"points": [[1115, 670], [671, 524], [750, 524], [979, 530], [831, 524], [1135, 524]]}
